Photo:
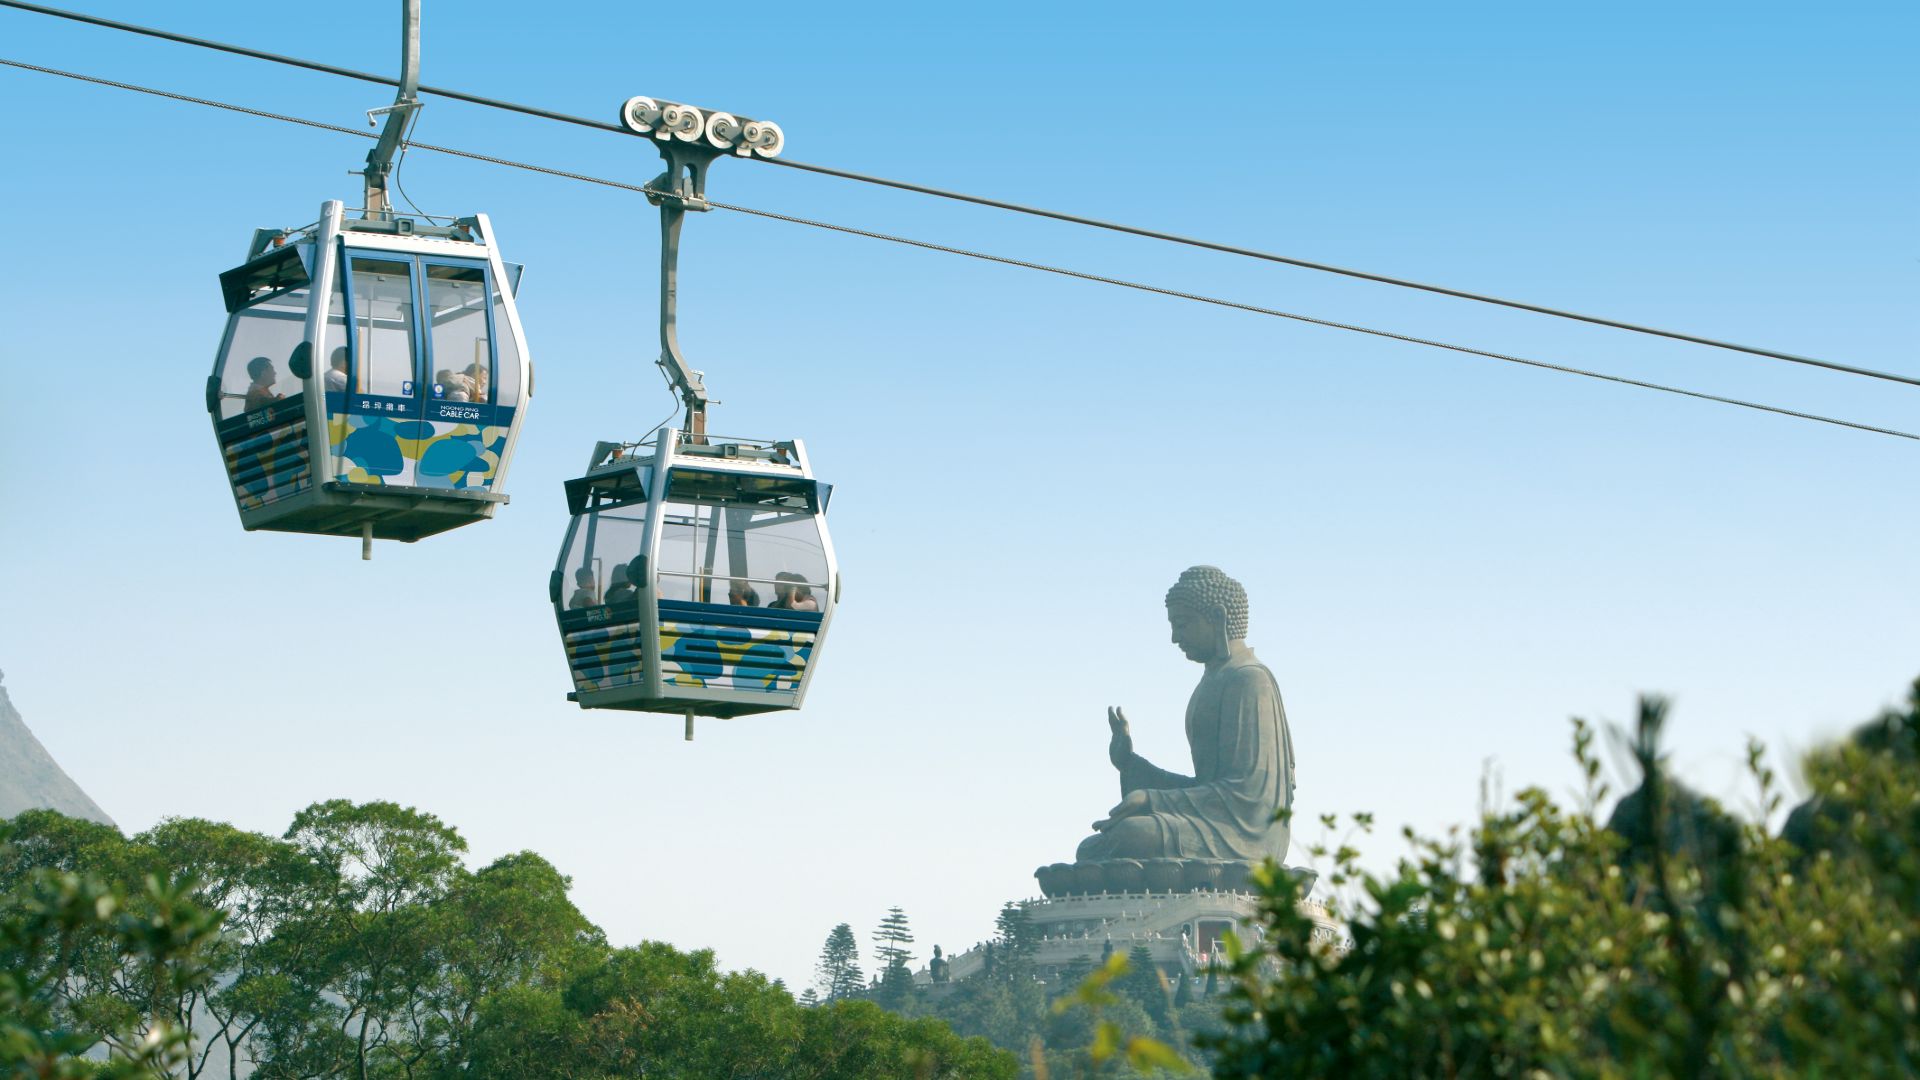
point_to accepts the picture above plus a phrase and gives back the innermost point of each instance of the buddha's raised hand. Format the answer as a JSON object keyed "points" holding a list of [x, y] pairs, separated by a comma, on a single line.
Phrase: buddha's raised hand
{"points": [[1121, 748]]}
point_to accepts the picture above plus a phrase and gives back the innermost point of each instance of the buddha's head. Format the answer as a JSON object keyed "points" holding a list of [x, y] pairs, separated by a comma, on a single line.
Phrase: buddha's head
{"points": [[1207, 611]]}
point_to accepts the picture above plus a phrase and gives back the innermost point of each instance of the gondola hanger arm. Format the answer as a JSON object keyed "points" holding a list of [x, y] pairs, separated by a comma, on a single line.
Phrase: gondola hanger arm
{"points": [[405, 101], [690, 139]]}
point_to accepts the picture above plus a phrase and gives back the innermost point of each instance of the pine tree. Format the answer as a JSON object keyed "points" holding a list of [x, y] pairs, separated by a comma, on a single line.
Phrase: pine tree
{"points": [[896, 986], [1014, 936], [1142, 980], [809, 998], [891, 940], [838, 974], [1013, 928]]}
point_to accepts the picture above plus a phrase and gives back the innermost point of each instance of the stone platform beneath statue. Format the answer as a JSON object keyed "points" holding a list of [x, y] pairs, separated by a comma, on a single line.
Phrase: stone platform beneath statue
{"points": [[1178, 928]]}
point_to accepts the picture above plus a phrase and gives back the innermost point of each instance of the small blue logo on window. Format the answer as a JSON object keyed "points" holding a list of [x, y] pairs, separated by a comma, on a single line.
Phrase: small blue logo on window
{"points": [[406, 388]]}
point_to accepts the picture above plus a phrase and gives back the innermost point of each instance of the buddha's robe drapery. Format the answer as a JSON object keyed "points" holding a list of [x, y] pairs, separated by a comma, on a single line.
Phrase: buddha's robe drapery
{"points": [[1242, 771]]}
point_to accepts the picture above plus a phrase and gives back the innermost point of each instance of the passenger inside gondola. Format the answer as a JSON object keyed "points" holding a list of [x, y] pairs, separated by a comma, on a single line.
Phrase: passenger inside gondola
{"points": [[586, 591], [260, 392], [741, 594], [620, 589], [793, 593], [456, 387], [476, 378], [336, 377]]}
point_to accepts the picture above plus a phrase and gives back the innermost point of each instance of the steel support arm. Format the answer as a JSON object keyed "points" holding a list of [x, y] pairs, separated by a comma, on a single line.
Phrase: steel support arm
{"points": [[405, 101]]}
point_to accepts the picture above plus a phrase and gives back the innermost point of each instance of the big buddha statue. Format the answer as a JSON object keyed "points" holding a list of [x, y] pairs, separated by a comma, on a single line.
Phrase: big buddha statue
{"points": [[1207, 827]]}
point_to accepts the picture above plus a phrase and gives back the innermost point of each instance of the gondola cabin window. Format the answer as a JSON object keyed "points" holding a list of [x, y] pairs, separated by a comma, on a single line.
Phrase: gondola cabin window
{"points": [[461, 350], [506, 367], [742, 541], [600, 557], [383, 327], [255, 367]]}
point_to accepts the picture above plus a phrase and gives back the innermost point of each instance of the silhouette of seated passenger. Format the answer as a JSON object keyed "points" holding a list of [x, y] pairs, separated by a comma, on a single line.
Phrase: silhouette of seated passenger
{"points": [[456, 387], [637, 571], [792, 593], [586, 591], [741, 594], [260, 393], [477, 379], [336, 375], [619, 589]]}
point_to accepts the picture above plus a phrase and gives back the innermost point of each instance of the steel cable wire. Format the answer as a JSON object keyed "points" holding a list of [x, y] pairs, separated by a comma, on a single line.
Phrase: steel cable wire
{"points": [[999, 204], [987, 257], [1313, 320]]}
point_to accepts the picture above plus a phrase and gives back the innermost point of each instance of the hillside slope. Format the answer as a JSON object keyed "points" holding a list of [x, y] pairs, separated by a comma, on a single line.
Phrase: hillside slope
{"points": [[30, 778]]}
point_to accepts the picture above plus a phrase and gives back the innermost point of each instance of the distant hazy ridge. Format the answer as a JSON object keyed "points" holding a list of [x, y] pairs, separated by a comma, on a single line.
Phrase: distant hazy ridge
{"points": [[29, 777]]}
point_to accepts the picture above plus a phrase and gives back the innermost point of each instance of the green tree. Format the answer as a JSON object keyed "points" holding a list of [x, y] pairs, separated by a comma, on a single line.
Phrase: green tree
{"points": [[246, 875], [511, 925], [96, 984], [1098, 1033], [1682, 944], [1142, 984], [36, 840], [1006, 1013], [655, 1011], [530, 1033], [853, 1040], [356, 982], [838, 973], [1015, 939], [48, 918], [891, 954], [359, 945]]}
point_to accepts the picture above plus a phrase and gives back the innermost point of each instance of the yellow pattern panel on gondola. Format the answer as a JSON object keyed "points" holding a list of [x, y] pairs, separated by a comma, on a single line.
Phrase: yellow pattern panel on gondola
{"points": [[714, 653], [453, 457]]}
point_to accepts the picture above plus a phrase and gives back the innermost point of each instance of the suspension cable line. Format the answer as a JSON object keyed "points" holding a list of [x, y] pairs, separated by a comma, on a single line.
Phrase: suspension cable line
{"points": [[984, 256], [1000, 204], [312, 65], [1363, 275]]}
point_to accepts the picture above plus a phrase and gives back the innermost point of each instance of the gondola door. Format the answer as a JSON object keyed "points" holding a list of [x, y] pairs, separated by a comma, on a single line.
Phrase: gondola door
{"points": [[463, 446], [421, 373], [385, 404]]}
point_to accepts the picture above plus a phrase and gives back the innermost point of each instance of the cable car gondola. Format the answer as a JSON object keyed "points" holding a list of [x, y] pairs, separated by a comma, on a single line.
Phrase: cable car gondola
{"points": [[697, 576], [388, 352], [373, 371]]}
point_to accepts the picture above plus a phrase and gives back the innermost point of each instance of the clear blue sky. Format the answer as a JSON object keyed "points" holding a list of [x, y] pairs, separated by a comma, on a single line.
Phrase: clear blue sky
{"points": [[1447, 556]]}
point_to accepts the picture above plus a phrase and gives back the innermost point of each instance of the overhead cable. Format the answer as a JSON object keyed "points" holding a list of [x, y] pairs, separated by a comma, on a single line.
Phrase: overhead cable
{"points": [[1001, 259], [1363, 275], [1278, 314], [312, 65], [1000, 204]]}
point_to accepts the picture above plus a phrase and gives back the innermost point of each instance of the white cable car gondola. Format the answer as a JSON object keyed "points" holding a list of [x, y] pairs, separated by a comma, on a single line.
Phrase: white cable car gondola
{"points": [[412, 414], [697, 576], [373, 371]]}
